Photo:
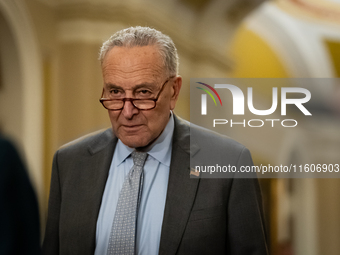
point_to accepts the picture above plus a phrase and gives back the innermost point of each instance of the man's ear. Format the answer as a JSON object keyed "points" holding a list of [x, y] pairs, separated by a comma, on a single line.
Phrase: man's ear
{"points": [[175, 88]]}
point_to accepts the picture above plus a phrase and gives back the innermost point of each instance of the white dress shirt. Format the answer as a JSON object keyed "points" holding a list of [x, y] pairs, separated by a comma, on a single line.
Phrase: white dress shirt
{"points": [[151, 210]]}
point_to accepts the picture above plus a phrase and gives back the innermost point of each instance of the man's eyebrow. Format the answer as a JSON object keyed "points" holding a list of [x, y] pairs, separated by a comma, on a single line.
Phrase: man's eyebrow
{"points": [[141, 85], [112, 86], [145, 84]]}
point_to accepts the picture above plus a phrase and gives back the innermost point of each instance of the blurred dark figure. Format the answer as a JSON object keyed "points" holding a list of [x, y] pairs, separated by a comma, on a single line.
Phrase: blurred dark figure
{"points": [[19, 216]]}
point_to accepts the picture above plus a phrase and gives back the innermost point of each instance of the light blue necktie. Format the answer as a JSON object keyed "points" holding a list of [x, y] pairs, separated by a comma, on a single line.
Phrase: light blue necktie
{"points": [[123, 232]]}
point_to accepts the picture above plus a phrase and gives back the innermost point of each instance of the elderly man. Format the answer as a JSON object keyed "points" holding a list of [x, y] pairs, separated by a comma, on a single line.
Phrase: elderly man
{"points": [[127, 190]]}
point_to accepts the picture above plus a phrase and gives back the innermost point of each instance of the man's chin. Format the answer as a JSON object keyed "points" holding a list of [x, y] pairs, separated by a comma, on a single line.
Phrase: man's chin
{"points": [[140, 140], [136, 143]]}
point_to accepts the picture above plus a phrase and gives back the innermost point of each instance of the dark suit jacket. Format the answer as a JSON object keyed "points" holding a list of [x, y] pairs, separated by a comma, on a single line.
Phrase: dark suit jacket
{"points": [[201, 216], [19, 216]]}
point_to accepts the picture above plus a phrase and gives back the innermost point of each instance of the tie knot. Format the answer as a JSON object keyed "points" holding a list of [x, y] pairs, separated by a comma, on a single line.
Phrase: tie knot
{"points": [[139, 157]]}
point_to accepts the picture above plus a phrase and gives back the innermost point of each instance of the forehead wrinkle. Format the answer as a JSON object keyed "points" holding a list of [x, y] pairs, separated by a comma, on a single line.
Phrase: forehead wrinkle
{"points": [[140, 67], [143, 75], [128, 67]]}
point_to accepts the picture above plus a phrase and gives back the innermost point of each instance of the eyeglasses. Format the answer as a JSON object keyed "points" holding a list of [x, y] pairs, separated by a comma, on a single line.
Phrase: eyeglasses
{"points": [[141, 104]]}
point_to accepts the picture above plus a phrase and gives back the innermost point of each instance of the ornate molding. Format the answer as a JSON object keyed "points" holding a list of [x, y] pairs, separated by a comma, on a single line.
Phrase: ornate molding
{"points": [[94, 23]]}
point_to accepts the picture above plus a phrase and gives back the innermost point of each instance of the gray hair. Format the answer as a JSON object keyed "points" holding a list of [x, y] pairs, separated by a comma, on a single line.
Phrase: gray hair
{"points": [[144, 36]]}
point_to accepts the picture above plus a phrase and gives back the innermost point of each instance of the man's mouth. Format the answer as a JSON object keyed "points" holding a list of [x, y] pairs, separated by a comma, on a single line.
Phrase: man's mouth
{"points": [[131, 128]]}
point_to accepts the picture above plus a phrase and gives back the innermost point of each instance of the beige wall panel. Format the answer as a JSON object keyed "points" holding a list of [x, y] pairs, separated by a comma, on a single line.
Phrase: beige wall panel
{"points": [[328, 218], [44, 19], [183, 103], [79, 110], [11, 100]]}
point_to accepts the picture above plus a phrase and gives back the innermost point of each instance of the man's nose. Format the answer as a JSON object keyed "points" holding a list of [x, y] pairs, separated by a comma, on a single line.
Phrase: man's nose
{"points": [[129, 110]]}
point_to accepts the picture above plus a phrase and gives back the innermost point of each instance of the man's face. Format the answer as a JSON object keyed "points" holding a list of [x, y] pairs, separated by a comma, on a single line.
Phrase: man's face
{"points": [[134, 73]]}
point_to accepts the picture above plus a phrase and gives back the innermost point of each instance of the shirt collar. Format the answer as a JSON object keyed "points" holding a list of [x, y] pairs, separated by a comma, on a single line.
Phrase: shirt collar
{"points": [[159, 149]]}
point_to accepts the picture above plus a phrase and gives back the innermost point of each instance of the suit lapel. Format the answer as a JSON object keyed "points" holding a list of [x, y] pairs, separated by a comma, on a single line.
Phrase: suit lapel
{"points": [[181, 189], [101, 152]]}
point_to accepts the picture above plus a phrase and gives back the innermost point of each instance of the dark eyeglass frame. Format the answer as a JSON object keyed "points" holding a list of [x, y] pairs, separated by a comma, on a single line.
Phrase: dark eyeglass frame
{"points": [[132, 100]]}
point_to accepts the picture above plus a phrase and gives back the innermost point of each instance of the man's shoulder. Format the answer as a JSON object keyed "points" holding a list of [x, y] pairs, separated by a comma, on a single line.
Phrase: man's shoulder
{"points": [[92, 141], [207, 138], [209, 148]]}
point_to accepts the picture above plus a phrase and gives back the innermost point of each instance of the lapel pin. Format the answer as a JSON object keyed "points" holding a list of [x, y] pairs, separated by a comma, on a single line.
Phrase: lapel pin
{"points": [[194, 172]]}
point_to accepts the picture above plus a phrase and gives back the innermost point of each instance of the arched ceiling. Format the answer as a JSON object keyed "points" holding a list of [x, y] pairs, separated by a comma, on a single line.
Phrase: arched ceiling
{"points": [[328, 10], [201, 28]]}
